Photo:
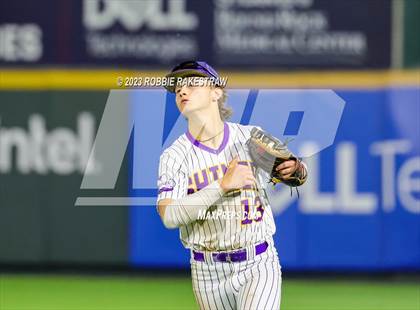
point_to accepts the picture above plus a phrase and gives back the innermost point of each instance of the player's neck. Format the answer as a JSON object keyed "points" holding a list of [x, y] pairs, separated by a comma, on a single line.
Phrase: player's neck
{"points": [[208, 130]]}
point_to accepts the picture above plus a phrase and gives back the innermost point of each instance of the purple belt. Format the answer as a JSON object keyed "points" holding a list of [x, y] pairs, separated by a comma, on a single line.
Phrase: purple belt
{"points": [[236, 256]]}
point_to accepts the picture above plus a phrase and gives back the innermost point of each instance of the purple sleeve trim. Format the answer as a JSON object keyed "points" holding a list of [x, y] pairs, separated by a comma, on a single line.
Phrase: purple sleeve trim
{"points": [[165, 189]]}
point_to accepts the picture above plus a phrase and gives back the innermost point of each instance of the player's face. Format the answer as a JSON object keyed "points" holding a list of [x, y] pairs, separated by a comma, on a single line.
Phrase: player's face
{"points": [[191, 99]]}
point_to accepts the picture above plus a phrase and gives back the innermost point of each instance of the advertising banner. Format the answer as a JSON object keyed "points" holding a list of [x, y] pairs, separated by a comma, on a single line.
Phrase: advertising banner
{"points": [[226, 33], [45, 142], [303, 33]]}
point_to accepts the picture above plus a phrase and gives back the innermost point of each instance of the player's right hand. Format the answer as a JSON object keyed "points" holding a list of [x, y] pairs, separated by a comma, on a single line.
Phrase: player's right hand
{"points": [[237, 176]]}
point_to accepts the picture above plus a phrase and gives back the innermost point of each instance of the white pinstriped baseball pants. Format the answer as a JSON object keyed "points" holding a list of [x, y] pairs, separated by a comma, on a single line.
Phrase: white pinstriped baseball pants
{"points": [[254, 284]]}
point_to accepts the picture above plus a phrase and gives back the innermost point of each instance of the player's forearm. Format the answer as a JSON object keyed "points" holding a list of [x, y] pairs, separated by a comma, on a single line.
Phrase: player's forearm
{"points": [[185, 210]]}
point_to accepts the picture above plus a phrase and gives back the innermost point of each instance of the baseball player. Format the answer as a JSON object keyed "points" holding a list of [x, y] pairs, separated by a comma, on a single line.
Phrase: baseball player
{"points": [[210, 189]]}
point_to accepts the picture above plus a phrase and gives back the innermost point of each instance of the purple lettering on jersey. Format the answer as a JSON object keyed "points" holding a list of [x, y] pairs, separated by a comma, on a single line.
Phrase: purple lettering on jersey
{"points": [[214, 170], [199, 185], [224, 168], [249, 216], [243, 163], [246, 220], [191, 189], [260, 209]]}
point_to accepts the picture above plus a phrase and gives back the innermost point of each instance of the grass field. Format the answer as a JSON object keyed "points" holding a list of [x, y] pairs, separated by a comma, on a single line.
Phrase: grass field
{"points": [[61, 292]]}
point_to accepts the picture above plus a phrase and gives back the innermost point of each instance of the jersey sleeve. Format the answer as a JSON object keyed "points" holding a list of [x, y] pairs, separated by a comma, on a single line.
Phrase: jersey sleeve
{"points": [[173, 181]]}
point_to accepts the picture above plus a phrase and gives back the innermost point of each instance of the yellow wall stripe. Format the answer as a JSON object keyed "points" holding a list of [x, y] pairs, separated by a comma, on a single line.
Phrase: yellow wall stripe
{"points": [[70, 79]]}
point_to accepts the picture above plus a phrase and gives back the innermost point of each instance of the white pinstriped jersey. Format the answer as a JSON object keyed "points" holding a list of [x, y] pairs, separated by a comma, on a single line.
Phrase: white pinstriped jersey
{"points": [[187, 166]]}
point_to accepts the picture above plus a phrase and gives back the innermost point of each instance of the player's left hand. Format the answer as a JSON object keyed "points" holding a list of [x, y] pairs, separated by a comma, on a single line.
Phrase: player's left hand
{"points": [[287, 168]]}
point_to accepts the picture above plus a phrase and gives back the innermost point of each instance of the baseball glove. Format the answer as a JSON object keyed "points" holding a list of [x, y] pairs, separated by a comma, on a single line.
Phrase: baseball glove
{"points": [[268, 152]]}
